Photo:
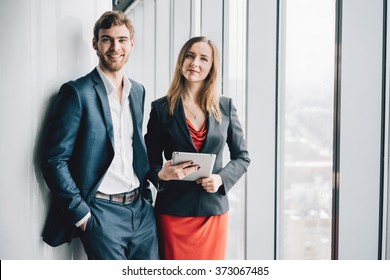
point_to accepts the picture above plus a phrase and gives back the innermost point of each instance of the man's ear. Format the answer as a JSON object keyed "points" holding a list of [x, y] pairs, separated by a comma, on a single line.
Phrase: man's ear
{"points": [[94, 44]]}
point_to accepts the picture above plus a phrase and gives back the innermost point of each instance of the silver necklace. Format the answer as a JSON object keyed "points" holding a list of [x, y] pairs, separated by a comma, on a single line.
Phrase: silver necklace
{"points": [[193, 115]]}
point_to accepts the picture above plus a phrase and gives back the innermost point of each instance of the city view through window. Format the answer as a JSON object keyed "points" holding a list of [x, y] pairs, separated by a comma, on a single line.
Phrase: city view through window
{"points": [[306, 92]]}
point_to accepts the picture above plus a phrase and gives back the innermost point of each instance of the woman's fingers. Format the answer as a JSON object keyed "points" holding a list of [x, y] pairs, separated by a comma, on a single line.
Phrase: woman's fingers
{"points": [[211, 184]]}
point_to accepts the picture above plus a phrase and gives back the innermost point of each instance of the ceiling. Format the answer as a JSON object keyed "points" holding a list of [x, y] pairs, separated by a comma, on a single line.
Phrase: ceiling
{"points": [[121, 5]]}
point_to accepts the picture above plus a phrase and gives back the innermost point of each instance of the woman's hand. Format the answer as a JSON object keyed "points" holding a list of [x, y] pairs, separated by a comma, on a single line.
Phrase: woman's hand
{"points": [[177, 172], [211, 184]]}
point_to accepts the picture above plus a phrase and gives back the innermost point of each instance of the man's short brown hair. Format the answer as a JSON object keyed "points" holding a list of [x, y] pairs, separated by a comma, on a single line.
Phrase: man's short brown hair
{"points": [[112, 18]]}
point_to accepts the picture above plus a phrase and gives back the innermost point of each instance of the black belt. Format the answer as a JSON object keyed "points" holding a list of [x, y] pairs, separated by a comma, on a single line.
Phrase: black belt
{"points": [[124, 198]]}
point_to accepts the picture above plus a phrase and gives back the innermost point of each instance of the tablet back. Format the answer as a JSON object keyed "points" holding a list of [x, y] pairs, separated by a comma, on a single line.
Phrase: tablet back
{"points": [[205, 161]]}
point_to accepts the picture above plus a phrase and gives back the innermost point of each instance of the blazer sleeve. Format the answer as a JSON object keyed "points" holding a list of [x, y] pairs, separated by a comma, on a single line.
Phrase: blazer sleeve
{"points": [[239, 156], [61, 136], [153, 141]]}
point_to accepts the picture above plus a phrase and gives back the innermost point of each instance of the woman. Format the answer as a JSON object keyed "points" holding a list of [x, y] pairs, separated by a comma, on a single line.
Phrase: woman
{"points": [[192, 215]]}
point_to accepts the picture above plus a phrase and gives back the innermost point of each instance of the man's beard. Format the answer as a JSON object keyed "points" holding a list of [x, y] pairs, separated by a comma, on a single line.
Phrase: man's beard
{"points": [[112, 66]]}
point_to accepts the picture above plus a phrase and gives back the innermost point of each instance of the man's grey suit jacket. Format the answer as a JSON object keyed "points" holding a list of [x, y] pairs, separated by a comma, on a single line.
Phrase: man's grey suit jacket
{"points": [[79, 148]]}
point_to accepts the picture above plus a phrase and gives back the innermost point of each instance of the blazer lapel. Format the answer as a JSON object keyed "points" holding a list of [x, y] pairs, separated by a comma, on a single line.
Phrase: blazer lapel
{"points": [[101, 92], [210, 129], [181, 120]]}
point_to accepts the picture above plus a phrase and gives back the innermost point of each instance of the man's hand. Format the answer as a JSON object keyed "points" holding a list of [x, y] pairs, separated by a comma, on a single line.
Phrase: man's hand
{"points": [[83, 226]]}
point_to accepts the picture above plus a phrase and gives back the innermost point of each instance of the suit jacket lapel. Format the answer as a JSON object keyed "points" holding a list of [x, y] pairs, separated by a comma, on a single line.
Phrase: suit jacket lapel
{"points": [[134, 110], [101, 92]]}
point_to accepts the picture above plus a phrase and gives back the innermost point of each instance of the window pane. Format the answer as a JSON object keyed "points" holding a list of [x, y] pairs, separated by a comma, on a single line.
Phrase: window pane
{"points": [[234, 58], [306, 128]]}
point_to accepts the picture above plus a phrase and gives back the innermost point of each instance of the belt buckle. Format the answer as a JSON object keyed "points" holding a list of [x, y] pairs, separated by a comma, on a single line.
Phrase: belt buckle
{"points": [[125, 198], [130, 197]]}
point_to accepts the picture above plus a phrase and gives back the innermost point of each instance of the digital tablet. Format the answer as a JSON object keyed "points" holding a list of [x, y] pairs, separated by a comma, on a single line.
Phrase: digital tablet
{"points": [[205, 161]]}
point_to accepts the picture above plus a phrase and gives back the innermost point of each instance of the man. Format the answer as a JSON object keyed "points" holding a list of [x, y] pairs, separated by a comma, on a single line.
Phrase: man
{"points": [[95, 160]]}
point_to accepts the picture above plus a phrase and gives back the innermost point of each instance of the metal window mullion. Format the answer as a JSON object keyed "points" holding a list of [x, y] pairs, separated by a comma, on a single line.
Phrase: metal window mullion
{"points": [[336, 133], [384, 176]]}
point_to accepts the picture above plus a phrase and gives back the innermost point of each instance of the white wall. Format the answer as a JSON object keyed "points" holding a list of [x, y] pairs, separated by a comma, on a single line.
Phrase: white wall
{"points": [[261, 127], [360, 137], [44, 43]]}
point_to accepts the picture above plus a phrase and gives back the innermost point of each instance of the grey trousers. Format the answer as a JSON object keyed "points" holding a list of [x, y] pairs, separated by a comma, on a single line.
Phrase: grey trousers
{"points": [[117, 231]]}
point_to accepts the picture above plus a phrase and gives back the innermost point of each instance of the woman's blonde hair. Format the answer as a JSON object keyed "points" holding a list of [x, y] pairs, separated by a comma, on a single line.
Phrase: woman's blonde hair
{"points": [[209, 97]]}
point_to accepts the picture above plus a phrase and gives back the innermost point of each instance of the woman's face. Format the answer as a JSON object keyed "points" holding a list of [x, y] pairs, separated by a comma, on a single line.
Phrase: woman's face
{"points": [[197, 62]]}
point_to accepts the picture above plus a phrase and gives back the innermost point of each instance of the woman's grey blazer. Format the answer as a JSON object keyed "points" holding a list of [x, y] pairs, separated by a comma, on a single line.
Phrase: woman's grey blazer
{"points": [[166, 134]]}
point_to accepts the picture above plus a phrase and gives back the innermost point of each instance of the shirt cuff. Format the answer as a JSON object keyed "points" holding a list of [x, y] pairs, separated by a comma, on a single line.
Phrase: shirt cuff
{"points": [[86, 217]]}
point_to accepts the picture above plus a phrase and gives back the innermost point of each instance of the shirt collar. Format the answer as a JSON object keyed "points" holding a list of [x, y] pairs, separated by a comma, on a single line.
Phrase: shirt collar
{"points": [[110, 87]]}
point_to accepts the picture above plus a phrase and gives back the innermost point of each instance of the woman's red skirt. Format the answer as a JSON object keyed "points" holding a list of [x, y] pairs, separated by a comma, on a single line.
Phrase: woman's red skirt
{"points": [[192, 238]]}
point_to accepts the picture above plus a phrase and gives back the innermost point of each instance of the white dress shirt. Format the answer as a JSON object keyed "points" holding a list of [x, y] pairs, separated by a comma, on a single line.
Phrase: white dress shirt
{"points": [[120, 176]]}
